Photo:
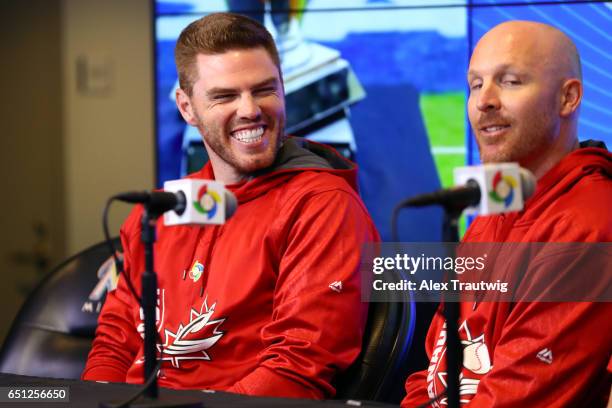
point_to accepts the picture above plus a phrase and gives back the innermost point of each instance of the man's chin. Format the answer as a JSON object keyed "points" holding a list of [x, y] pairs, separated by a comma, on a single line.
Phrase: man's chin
{"points": [[254, 164], [495, 158], [494, 154]]}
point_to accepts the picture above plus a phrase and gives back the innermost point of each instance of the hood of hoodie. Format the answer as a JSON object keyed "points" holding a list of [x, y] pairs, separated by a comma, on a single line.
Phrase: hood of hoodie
{"points": [[295, 155], [564, 175]]}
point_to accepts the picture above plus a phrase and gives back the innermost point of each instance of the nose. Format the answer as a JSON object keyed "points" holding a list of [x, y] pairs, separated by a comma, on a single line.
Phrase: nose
{"points": [[488, 97], [248, 108]]}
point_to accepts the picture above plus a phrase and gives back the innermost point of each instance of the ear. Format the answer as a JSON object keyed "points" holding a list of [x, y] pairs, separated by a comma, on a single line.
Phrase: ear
{"points": [[571, 96], [184, 105]]}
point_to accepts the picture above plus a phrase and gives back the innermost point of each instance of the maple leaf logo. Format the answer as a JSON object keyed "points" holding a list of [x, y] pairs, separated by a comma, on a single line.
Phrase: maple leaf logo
{"points": [[191, 341]]}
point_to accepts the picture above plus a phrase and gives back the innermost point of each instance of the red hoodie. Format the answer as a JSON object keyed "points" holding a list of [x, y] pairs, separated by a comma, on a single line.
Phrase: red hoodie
{"points": [[535, 354], [267, 304]]}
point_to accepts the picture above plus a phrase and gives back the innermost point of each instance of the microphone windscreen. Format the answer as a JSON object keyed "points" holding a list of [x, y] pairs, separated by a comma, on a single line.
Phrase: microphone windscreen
{"points": [[528, 183], [504, 186], [208, 202], [231, 204]]}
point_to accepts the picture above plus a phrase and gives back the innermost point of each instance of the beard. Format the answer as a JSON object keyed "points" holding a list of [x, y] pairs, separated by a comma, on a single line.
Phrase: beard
{"points": [[525, 141], [217, 140]]}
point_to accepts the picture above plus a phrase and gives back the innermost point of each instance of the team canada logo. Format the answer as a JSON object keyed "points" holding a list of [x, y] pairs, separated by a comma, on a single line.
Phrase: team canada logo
{"points": [[190, 341], [476, 363]]}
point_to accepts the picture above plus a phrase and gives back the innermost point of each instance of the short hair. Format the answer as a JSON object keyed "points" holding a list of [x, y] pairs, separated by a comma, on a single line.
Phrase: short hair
{"points": [[215, 34]]}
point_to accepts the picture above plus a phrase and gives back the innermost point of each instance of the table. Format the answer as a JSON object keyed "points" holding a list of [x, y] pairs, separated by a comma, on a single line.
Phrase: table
{"points": [[90, 394]]}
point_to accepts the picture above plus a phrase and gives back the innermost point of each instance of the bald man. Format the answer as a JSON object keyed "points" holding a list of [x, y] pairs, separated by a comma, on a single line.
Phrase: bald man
{"points": [[525, 86], [525, 89]]}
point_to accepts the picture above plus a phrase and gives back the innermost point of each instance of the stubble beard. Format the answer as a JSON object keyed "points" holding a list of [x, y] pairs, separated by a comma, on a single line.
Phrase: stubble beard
{"points": [[218, 140], [525, 144]]}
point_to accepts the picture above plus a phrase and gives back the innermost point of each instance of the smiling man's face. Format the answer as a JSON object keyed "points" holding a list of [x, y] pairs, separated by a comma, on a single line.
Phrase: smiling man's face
{"points": [[514, 99], [237, 104]]}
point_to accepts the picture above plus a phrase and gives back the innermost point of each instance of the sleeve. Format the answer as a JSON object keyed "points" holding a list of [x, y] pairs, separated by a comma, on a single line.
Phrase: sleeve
{"points": [[117, 341], [416, 390], [318, 317], [554, 353]]}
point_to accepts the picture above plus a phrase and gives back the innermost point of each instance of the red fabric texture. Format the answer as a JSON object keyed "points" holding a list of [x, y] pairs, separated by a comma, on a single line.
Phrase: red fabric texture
{"points": [[262, 318], [535, 354]]}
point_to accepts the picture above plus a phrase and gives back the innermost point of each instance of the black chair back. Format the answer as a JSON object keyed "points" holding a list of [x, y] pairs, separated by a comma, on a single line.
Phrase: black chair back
{"points": [[52, 333], [380, 371]]}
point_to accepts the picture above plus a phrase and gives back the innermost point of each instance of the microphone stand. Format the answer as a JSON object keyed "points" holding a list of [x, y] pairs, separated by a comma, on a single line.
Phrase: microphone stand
{"points": [[451, 312], [148, 300], [454, 349], [454, 201]]}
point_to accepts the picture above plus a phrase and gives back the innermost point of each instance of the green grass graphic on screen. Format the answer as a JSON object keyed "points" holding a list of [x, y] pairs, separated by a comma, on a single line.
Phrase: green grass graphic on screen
{"points": [[444, 116]]}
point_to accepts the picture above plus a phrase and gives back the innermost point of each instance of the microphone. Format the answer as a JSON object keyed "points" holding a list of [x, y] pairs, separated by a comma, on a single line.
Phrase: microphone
{"points": [[485, 189], [187, 202], [206, 202], [456, 197], [157, 201]]}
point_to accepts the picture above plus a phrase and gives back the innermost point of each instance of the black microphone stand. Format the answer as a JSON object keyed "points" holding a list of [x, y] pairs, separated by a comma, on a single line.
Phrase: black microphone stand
{"points": [[148, 300], [450, 234], [454, 349]]}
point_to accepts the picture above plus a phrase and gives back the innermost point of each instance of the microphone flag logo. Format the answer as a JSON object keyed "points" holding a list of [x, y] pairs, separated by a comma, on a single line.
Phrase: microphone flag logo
{"points": [[500, 185], [503, 189], [207, 202]]}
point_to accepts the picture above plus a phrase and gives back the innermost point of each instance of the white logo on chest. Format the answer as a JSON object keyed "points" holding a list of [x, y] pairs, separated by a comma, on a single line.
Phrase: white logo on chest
{"points": [[190, 341]]}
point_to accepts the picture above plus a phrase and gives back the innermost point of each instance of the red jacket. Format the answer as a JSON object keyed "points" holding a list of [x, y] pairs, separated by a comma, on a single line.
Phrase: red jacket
{"points": [[277, 309], [535, 354]]}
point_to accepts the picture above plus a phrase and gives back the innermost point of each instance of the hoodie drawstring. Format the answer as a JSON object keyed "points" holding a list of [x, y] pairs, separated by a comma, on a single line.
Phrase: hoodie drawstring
{"points": [[208, 258]]}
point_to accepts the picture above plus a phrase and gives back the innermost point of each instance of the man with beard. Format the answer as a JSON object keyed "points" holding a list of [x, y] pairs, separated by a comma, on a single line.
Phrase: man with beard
{"points": [[525, 90], [268, 303]]}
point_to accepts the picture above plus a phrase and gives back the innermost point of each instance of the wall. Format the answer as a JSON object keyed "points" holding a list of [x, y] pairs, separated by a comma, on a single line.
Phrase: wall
{"points": [[108, 122], [31, 154], [65, 148]]}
